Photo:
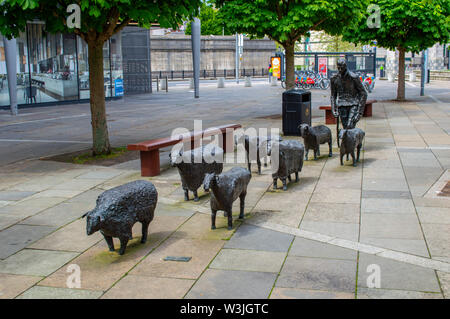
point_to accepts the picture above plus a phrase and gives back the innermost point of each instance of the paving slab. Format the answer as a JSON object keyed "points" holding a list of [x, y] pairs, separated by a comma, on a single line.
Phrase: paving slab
{"points": [[57, 193], [145, 287], [71, 237], [172, 210], [60, 214], [290, 218], [292, 293], [318, 274], [387, 206], [374, 293], [89, 196], [400, 226], [385, 184], [348, 231], [30, 207], [18, 237], [7, 221], [444, 279], [199, 227], [201, 251], [257, 238], [309, 248], [410, 246], [434, 215], [35, 262], [40, 292], [100, 174], [386, 194], [14, 195], [78, 184], [438, 238], [328, 212], [249, 260], [337, 195], [13, 285], [101, 268], [232, 284], [397, 275]]}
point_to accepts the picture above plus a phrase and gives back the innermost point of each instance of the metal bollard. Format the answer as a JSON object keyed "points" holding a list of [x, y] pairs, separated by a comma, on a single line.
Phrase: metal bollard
{"points": [[248, 81], [221, 83]]}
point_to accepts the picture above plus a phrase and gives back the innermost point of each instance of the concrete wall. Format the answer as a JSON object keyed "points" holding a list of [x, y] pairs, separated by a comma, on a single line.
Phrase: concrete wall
{"points": [[172, 52]]}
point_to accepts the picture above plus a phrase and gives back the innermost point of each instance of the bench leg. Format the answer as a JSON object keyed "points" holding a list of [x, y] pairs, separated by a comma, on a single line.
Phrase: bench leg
{"points": [[368, 110], [150, 163], [329, 117]]}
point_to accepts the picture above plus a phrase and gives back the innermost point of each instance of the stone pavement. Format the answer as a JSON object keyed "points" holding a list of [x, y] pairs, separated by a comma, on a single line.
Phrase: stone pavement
{"points": [[322, 238]]}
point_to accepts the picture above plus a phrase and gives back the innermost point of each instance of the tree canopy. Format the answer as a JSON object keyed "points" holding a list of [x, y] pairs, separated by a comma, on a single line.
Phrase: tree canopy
{"points": [[406, 26], [211, 23], [287, 20]]}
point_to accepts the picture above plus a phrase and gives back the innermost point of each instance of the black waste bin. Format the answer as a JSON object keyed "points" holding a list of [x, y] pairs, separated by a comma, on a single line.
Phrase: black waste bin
{"points": [[296, 110]]}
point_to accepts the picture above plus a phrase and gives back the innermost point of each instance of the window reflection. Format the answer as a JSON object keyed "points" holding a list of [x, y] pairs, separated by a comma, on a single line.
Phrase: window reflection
{"points": [[4, 94], [53, 66]]}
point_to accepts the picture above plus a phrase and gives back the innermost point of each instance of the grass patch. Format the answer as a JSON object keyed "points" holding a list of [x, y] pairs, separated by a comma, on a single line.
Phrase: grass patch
{"points": [[89, 158]]}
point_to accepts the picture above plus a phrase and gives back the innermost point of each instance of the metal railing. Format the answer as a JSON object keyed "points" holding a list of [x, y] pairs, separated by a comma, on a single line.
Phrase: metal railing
{"points": [[211, 74]]}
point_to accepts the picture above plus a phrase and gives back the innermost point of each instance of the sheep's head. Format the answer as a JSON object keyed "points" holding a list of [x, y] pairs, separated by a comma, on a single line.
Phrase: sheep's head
{"points": [[304, 129], [209, 180], [93, 221], [175, 157]]}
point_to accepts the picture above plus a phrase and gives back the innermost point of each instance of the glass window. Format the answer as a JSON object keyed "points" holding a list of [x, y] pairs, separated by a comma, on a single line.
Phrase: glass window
{"points": [[4, 93], [53, 66]]}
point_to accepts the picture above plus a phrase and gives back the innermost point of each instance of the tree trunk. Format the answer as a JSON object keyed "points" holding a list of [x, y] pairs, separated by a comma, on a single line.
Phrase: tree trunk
{"points": [[290, 74], [401, 75], [100, 138]]}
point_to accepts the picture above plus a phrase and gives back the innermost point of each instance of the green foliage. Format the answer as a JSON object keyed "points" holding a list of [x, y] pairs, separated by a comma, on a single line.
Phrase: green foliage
{"points": [[89, 158], [286, 21], [411, 25], [211, 23], [335, 43], [103, 17]]}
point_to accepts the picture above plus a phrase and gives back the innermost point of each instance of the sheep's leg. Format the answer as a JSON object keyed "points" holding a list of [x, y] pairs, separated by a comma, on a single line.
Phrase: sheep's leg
{"points": [[242, 199], [213, 218], [230, 219], [265, 161], [258, 161], [358, 152], [109, 241], [318, 149], [353, 157], [289, 178], [315, 154], [347, 156], [284, 183], [195, 196], [144, 231], [123, 245], [275, 183], [330, 153], [296, 177], [342, 157], [249, 164], [186, 194], [306, 154]]}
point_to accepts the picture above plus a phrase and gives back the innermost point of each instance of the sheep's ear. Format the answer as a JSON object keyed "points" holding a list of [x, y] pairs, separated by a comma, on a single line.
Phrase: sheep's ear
{"points": [[85, 215]]}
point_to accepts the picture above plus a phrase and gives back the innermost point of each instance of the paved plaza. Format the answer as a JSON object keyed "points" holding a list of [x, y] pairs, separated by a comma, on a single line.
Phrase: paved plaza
{"points": [[324, 237]]}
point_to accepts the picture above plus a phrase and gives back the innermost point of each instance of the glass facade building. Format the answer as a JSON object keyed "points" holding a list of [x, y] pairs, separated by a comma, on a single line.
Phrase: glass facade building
{"points": [[54, 67]]}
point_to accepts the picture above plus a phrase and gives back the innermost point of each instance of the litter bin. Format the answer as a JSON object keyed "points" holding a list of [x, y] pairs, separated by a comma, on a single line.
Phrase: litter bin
{"points": [[296, 110]]}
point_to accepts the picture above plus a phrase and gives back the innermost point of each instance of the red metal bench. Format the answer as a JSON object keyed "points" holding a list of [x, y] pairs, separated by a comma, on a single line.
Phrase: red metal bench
{"points": [[149, 150], [330, 119]]}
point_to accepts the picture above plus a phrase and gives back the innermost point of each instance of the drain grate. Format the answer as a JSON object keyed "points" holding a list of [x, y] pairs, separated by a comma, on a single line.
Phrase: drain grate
{"points": [[445, 191]]}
